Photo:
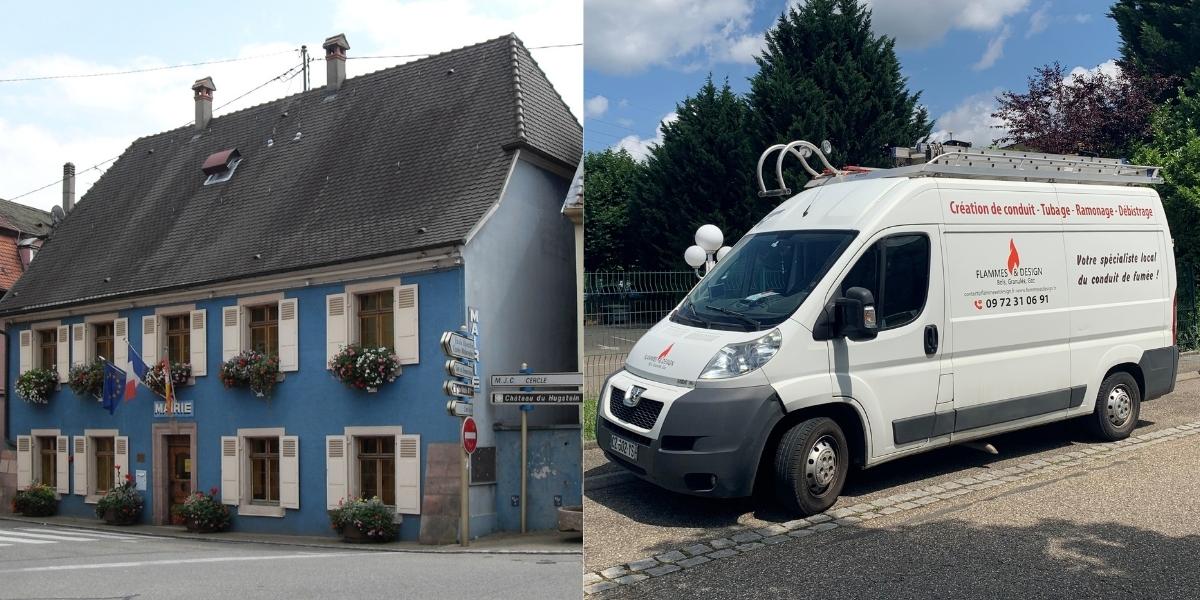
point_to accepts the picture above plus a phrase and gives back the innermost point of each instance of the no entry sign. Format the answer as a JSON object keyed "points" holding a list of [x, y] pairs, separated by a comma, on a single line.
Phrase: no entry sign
{"points": [[470, 435]]}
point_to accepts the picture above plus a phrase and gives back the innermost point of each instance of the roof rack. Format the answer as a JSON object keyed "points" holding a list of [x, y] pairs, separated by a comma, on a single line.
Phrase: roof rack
{"points": [[941, 160]]}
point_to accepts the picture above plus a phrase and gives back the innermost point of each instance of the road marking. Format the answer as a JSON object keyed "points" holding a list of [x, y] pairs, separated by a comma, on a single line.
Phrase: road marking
{"points": [[89, 533], [24, 540], [184, 561], [624, 339], [61, 538]]}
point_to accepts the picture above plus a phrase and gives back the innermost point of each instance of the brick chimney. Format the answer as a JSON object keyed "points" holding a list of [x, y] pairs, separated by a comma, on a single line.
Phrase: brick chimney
{"points": [[335, 61], [68, 187], [204, 89]]}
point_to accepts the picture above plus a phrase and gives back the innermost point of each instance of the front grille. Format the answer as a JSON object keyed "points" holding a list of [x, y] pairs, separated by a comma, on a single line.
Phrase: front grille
{"points": [[644, 415]]}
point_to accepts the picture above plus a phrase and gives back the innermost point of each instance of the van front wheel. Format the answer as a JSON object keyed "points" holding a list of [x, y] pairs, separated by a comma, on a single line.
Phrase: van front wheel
{"points": [[1117, 407], [811, 462]]}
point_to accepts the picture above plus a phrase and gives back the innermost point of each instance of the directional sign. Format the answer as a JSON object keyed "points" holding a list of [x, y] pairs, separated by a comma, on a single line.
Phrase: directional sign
{"points": [[470, 435], [537, 397], [538, 380], [459, 345], [456, 368], [458, 389], [459, 409]]}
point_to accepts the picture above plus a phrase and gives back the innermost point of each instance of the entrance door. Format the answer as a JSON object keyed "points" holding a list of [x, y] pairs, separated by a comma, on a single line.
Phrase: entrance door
{"points": [[179, 469]]}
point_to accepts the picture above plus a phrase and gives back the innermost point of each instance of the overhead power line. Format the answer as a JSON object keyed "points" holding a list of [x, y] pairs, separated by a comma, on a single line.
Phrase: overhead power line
{"points": [[146, 70]]}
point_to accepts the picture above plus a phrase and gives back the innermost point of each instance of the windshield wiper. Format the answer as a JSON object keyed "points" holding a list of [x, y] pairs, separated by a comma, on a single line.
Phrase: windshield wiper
{"points": [[734, 313], [696, 316]]}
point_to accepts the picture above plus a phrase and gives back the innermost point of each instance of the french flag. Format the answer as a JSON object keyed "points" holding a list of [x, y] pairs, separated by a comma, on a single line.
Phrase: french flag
{"points": [[136, 373]]}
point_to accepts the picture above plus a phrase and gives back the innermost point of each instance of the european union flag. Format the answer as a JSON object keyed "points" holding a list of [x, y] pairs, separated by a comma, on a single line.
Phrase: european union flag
{"points": [[114, 387]]}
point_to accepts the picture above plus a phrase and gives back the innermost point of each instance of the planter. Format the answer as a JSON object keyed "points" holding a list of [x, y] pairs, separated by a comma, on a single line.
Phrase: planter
{"points": [[114, 517], [44, 511], [352, 535], [196, 527]]}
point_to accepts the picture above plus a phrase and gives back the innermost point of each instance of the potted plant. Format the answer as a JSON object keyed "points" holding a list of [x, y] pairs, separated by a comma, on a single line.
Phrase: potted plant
{"points": [[204, 513], [36, 385], [365, 368], [88, 379], [35, 501], [363, 521], [122, 505], [251, 369], [156, 376]]}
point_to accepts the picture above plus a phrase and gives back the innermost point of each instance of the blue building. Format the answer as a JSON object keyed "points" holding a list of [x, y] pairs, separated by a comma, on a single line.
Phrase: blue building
{"points": [[380, 210]]}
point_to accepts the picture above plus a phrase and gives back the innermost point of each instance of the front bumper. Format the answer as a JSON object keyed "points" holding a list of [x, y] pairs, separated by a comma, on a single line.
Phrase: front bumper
{"points": [[707, 441]]}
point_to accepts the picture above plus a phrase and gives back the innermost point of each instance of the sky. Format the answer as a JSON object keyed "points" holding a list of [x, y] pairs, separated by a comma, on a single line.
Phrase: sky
{"points": [[644, 56], [46, 123]]}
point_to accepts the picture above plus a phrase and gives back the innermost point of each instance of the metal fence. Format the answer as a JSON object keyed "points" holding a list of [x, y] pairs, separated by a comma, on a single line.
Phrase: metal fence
{"points": [[618, 307]]}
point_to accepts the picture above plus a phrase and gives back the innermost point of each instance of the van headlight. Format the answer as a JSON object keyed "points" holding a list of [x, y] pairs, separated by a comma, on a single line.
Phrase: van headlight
{"points": [[739, 359]]}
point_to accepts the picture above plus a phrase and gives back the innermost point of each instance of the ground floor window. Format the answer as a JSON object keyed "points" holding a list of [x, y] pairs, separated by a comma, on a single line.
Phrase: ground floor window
{"points": [[377, 467], [264, 470], [105, 465], [47, 471]]}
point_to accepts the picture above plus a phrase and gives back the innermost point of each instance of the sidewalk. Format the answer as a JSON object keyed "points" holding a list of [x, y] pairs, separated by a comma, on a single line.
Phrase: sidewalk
{"points": [[539, 542]]}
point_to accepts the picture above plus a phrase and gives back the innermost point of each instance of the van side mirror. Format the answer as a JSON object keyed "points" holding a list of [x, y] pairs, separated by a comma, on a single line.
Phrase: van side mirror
{"points": [[855, 315]]}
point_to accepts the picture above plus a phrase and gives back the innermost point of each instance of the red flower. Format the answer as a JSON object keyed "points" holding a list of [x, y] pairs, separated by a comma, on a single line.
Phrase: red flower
{"points": [[213, 491]]}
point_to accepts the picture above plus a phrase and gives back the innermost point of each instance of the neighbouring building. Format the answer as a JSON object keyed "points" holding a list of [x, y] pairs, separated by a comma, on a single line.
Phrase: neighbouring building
{"points": [[383, 209]]}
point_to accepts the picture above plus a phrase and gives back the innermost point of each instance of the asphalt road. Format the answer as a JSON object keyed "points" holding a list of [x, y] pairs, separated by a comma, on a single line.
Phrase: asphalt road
{"points": [[1129, 525], [54, 562]]}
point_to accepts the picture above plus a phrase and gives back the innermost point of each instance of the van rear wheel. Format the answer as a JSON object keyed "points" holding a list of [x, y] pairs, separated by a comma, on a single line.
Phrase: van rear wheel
{"points": [[1118, 405], [811, 462]]}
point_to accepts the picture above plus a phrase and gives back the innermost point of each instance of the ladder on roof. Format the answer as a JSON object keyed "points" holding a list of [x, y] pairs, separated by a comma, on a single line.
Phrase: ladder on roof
{"points": [[963, 162]]}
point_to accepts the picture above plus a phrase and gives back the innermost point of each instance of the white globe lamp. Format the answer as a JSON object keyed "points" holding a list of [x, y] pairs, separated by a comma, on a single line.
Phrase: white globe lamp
{"points": [[695, 256], [722, 252], [709, 238]]}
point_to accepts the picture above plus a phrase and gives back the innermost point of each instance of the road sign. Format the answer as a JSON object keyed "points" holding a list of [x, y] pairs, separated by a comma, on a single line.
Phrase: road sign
{"points": [[458, 345], [459, 409], [538, 380], [455, 368], [458, 389], [470, 435], [537, 397]]}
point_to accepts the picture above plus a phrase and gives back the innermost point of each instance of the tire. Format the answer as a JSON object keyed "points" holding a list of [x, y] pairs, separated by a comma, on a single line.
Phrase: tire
{"points": [[811, 462], [1118, 405]]}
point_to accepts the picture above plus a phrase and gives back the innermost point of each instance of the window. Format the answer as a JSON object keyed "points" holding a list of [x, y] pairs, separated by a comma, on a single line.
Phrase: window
{"points": [[179, 339], [896, 271], [375, 320], [47, 348], [105, 463], [48, 460], [264, 470], [264, 328], [377, 468], [102, 333]]}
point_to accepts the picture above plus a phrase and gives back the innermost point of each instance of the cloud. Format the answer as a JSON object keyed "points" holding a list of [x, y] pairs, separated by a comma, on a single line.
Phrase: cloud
{"points": [[971, 120], [1108, 67], [923, 23], [995, 49], [629, 36], [595, 107], [1038, 21], [639, 147]]}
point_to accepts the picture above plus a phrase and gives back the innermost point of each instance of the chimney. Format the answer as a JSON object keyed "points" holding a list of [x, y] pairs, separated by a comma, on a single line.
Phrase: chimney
{"points": [[204, 89], [335, 61], [68, 187]]}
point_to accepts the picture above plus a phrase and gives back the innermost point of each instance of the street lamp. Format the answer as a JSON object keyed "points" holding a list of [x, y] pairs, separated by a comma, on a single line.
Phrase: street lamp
{"points": [[707, 251]]}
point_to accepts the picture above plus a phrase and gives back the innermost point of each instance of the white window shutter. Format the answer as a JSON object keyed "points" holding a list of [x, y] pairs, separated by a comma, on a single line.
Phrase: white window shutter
{"points": [[26, 351], [289, 471], [405, 324], [63, 362], [82, 460], [150, 340], [62, 465], [121, 457], [408, 474], [336, 328], [231, 332], [289, 335], [199, 343], [335, 470], [79, 344], [24, 461], [120, 355], [231, 481]]}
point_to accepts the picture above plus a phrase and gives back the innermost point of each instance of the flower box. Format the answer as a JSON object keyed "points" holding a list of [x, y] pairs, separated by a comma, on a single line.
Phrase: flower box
{"points": [[35, 385], [254, 370], [364, 368]]}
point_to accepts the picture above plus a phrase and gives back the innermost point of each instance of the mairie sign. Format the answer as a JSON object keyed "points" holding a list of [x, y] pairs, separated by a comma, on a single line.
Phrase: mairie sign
{"points": [[183, 408]]}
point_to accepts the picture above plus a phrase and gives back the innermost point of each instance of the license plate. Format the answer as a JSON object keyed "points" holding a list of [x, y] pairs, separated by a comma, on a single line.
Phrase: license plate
{"points": [[625, 448]]}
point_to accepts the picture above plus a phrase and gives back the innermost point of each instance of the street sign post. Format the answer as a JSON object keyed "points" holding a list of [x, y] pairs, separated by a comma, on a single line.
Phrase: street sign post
{"points": [[456, 408], [470, 435], [538, 380], [458, 389], [456, 368], [541, 397], [458, 345]]}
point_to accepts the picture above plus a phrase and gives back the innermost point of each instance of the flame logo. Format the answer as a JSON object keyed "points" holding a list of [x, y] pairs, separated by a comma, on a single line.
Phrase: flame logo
{"points": [[666, 352], [1014, 259]]}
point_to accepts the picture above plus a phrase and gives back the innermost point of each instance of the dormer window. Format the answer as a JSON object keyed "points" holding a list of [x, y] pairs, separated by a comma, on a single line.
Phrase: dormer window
{"points": [[219, 166]]}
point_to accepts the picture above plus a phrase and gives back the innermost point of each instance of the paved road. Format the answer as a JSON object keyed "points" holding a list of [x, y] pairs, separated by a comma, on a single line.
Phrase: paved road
{"points": [[58, 562], [1099, 524]]}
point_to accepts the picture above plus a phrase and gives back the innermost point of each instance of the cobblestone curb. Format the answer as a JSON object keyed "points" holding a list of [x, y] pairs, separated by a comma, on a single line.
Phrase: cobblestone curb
{"points": [[749, 540]]}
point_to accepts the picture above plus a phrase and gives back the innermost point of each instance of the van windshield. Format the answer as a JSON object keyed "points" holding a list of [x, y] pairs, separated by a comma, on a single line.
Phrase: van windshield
{"points": [[763, 280]]}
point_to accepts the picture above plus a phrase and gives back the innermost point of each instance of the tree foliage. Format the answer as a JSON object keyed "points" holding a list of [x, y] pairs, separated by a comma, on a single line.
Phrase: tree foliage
{"points": [[1090, 113], [1175, 146], [608, 181], [1158, 38]]}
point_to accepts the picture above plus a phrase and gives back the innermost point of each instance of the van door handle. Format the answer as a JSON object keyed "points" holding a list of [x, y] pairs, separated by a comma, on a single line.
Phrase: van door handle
{"points": [[931, 340]]}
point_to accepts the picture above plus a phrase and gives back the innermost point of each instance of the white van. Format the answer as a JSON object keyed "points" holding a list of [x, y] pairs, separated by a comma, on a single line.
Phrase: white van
{"points": [[884, 313]]}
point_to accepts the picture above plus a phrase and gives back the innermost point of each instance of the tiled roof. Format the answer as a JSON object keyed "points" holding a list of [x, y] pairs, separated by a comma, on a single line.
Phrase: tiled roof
{"points": [[10, 261], [398, 160], [15, 216]]}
